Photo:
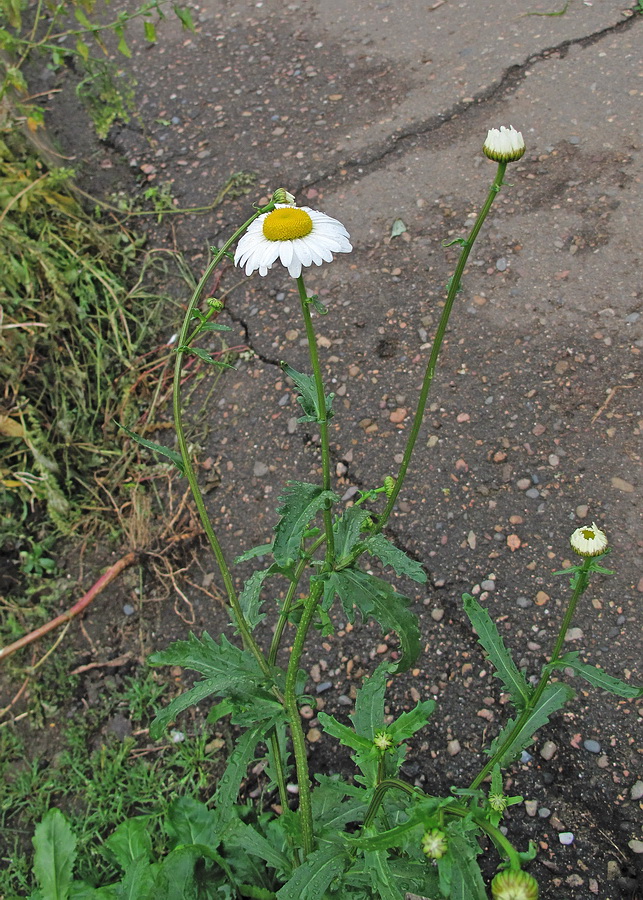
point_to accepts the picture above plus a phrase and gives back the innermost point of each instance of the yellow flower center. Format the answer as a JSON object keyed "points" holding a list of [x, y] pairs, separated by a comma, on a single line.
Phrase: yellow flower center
{"points": [[287, 224], [588, 534]]}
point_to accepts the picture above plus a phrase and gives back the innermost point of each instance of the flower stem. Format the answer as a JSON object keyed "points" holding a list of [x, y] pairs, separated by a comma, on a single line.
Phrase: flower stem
{"points": [[322, 420], [454, 286], [296, 730], [580, 585], [240, 619]]}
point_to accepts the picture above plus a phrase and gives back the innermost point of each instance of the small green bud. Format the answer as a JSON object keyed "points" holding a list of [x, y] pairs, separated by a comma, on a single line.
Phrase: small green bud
{"points": [[382, 741], [434, 843], [215, 304], [281, 195], [389, 485], [514, 884], [497, 802]]}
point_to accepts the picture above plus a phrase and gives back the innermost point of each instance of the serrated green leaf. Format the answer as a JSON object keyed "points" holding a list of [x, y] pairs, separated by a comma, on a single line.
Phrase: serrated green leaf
{"points": [[369, 704], [150, 31], [554, 697], [409, 722], [229, 784], [130, 841], [466, 880], [379, 546], [331, 811], [139, 881], [597, 677], [307, 398], [250, 841], [383, 882], [344, 734], [347, 531], [374, 597], [396, 836], [250, 598], [214, 326], [311, 880], [55, 852], [489, 637], [190, 822], [261, 550], [300, 504], [184, 17], [205, 356], [226, 668], [172, 455]]}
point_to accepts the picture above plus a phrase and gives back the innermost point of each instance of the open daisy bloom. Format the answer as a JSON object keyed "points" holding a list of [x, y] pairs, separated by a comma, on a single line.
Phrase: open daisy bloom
{"points": [[588, 540], [297, 236]]}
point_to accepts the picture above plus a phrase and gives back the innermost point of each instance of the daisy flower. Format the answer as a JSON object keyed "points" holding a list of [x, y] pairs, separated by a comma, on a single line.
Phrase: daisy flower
{"points": [[504, 144], [296, 236], [513, 884], [588, 541]]}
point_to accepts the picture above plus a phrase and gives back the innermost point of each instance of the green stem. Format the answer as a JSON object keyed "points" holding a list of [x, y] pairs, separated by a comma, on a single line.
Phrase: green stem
{"points": [[322, 420], [296, 730], [580, 586], [240, 619], [290, 596], [380, 792], [454, 286]]}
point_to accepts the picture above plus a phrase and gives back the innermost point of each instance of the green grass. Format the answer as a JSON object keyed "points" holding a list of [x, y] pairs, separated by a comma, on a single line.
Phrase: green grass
{"points": [[95, 778]]}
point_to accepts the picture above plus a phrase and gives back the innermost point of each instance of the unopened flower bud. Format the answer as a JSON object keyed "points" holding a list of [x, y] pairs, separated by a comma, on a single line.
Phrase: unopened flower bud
{"points": [[588, 541], [434, 843], [389, 485], [382, 740], [514, 884], [504, 144], [281, 195], [215, 304], [497, 802]]}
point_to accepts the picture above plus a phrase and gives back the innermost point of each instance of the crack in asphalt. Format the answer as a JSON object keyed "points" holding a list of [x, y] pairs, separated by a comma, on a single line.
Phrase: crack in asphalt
{"points": [[506, 85]]}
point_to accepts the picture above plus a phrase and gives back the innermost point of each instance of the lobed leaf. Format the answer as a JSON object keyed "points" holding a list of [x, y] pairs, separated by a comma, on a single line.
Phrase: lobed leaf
{"points": [[489, 637], [308, 396], [172, 455], [597, 677], [369, 704], [554, 697], [300, 504], [379, 546], [311, 880], [347, 530], [377, 598]]}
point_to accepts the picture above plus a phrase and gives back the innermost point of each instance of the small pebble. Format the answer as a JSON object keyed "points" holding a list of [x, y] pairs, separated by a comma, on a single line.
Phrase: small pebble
{"points": [[566, 837], [553, 460], [525, 757], [636, 791], [128, 609], [532, 493], [314, 734], [544, 813], [592, 746], [343, 700], [453, 747], [260, 468], [635, 846], [602, 762], [324, 686], [531, 807], [548, 749], [582, 510], [488, 585], [574, 634], [523, 484], [292, 788], [523, 602], [501, 264], [437, 614]]}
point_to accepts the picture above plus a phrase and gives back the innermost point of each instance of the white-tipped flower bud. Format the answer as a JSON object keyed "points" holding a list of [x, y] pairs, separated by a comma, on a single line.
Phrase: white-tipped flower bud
{"points": [[504, 144], [588, 541], [281, 195]]}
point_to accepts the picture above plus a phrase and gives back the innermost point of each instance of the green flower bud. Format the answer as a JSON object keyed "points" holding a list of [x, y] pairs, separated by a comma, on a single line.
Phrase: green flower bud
{"points": [[434, 843], [382, 740], [514, 884], [281, 195], [215, 304], [389, 485]]}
